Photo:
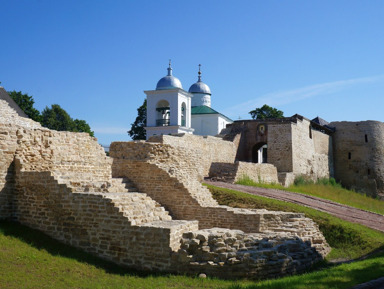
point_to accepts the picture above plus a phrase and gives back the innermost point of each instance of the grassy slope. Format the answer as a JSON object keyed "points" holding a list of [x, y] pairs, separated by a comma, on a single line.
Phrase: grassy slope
{"points": [[330, 192], [30, 259]]}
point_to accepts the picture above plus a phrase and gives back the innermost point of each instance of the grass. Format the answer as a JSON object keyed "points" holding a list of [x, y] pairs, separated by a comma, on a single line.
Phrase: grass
{"points": [[343, 276], [30, 259], [326, 189], [348, 240]]}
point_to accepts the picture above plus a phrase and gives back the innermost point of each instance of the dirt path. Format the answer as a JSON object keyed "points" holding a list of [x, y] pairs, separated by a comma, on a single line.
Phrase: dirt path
{"points": [[350, 214]]}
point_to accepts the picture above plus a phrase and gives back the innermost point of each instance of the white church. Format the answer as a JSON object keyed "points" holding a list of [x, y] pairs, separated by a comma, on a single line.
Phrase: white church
{"points": [[171, 109]]}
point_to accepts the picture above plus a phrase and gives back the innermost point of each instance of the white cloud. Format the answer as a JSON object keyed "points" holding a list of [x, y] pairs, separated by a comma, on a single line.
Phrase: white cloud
{"points": [[284, 97]]}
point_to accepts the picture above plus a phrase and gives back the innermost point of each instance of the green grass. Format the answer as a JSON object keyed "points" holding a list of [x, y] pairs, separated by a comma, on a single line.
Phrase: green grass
{"points": [[30, 259], [343, 276], [326, 189], [348, 240]]}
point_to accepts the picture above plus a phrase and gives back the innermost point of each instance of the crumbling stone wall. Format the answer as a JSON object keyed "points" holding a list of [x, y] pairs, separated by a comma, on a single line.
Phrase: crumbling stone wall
{"points": [[168, 174], [8, 145], [232, 172], [73, 158], [231, 253], [10, 117], [61, 183], [127, 229], [208, 149], [359, 155]]}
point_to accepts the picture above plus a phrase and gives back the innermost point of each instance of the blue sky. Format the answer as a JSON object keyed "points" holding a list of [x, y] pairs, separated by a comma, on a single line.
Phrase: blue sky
{"points": [[95, 58]]}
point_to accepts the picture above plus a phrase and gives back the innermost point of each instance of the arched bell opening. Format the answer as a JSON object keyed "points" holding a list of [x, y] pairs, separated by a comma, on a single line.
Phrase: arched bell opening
{"points": [[162, 113]]}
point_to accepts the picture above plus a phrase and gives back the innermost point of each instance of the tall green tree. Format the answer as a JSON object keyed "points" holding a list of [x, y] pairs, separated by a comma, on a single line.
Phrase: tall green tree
{"points": [[25, 102], [82, 126], [58, 119], [266, 111], [137, 131]]}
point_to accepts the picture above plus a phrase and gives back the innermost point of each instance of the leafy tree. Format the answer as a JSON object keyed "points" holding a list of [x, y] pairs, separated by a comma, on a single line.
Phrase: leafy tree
{"points": [[58, 119], [137, 130], [26, 102], [266, 111], [82, 126]]}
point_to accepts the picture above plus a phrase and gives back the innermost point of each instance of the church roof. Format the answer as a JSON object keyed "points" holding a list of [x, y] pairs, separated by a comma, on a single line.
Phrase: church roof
{"points": [[199, 86], [168, 81], [203, 109]]}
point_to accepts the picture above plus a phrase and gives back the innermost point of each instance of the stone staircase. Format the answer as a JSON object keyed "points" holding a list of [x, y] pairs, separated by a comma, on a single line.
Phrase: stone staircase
{"points": [[138, 207], [121, 185]]}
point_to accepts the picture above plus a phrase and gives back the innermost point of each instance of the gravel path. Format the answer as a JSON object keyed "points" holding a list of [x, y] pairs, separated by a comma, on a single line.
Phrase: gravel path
{"points": [[350, 214]]}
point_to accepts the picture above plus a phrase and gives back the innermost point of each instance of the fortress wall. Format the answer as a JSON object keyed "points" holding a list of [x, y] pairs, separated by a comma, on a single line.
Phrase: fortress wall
{"points": [[232, 172], [208, 149], [168, 175], [10, 120], [98, 223], [8, 146], [9, 115], [359, 155], [310, 151], [74, 158], [280, 146]]}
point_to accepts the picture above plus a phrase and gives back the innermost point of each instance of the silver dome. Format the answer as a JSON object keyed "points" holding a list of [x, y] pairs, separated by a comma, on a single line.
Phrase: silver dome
{"points": [[169, 81], [199, 86]]}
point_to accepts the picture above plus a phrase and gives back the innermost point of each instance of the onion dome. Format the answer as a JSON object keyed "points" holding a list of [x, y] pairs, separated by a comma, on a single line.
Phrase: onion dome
{"points": [[169, 81], [199, 86]]}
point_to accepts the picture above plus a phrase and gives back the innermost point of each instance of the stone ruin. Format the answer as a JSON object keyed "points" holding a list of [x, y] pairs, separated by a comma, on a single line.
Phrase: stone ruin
{"points": [[144, 207]]}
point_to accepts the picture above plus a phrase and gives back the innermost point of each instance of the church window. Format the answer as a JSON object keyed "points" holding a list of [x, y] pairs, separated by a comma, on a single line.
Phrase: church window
{"points": [[183, 114]]}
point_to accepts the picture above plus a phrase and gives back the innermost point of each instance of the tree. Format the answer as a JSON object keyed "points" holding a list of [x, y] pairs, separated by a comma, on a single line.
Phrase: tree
{"points": [[58, 119], [26, 102], [83, 126], [137, 130], [266, 111]]}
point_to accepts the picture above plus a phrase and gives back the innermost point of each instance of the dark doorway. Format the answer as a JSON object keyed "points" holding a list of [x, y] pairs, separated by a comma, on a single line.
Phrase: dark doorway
{"points": [[259, 153]]}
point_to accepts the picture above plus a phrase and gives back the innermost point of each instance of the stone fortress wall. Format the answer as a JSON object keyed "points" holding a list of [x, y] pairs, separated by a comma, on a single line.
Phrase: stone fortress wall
{"points": [[63, 184], [295, 146], [312, 153], [359, 155]]}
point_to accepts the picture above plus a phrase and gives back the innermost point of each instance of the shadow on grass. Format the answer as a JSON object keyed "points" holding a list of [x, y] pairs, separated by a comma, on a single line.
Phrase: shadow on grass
{"points": [[41, 241], [337, 277]]}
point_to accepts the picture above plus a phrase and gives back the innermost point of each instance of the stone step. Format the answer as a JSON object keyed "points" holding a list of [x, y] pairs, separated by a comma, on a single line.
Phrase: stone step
{"points": [[121, 185], [138, 208]]}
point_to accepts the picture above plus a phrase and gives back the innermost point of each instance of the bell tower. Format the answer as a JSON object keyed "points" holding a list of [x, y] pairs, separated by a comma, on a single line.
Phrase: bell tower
{"points": [[168, 107]]}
